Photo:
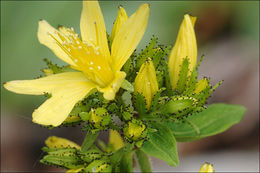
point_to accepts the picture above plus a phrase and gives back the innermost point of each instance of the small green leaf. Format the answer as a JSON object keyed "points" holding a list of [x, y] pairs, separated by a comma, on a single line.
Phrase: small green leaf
{"points": [[162, 144], [88, 141], [140, 104], [67, 161], [126, 163], [143, 161], [154, 104], [215, 119], [84, 116], [117, 156], [183, 76], [127, 86]]}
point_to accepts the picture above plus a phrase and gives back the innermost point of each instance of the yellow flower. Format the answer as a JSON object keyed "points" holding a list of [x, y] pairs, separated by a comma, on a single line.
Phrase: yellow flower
{"points": [[57, 142], [207, 167], [185, 47], [146, 82], [97, 66], [120, 20]]}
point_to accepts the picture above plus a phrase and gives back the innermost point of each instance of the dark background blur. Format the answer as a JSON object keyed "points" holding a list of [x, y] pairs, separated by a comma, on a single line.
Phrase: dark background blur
{"points": [[227, 33]]}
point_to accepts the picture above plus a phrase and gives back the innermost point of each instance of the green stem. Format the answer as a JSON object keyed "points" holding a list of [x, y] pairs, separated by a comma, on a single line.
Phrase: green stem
{"points": [[143, 161]]}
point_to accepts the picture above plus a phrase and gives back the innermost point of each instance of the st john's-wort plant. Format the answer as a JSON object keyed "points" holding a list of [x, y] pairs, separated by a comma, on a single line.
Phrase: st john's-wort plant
{"points": [[148, 100]]}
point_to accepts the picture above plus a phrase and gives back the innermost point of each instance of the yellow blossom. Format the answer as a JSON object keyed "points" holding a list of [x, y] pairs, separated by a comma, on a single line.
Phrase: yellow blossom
{"points": [[185, 47], [96, 66], [207, 167], [146, 82]]}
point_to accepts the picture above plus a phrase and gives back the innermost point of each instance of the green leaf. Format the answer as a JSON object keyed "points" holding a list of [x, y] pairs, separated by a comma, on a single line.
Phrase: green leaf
{"points": [[140, 104], [143, 161], [215, 119], [154, 104], [88, 141], [183, 76], [126, 163], [117, 156], [162, 144], [127, 86]]}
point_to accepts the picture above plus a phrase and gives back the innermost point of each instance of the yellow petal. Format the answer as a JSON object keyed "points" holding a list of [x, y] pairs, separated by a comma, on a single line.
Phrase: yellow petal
{"points": [[185, 46], [57, 142], [66, 90], [207, 167], [128, 37], [46, 35], [92, 26], [146, 82], [113, 87], [115, 139], [120, 20]]}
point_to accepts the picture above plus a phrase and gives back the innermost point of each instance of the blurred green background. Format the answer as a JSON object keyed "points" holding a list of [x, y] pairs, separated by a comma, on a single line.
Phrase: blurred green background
{"points": [[227, 32]]}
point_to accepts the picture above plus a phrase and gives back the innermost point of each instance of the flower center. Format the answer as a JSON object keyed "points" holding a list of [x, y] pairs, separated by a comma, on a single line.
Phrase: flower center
{"points": [[87, 57]]}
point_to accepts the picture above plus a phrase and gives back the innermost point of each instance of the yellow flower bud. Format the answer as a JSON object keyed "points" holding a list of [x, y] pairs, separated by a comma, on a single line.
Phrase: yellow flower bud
{"points": [[207, 167], [201, 85], [57, 142], [185, 47], [120, 20], [146, 82], [135, 130], [115, 139]]}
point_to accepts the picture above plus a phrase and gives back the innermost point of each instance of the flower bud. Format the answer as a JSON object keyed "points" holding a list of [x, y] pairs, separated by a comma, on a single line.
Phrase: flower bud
{"points": [[99, 118], [201, 85], [207, 167], [146, 82], [135, 130], [120, 20], [115, 139], [56, 142], [185, 47]]}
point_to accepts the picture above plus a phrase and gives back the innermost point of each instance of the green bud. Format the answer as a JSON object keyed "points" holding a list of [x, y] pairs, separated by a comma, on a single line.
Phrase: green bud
{"points": [[179, 106], [135, 130]]}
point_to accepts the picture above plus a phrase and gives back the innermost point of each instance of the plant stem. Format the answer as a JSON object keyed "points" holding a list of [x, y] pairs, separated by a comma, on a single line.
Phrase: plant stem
{"points": [[143, 161]]}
